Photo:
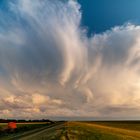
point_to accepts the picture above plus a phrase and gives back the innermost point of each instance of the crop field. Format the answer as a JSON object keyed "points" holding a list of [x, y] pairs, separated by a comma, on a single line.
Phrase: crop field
{"points": [[109, 130]]}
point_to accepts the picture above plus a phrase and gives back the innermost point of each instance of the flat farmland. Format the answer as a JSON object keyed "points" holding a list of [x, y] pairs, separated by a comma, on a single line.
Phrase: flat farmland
{"points": [[21, 129], [29, 125], [103, 131], [107, 130], [130, 125]]}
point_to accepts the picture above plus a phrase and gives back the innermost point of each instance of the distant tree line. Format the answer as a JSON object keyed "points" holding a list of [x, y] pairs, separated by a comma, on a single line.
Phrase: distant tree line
{"points": [[22, 120]]}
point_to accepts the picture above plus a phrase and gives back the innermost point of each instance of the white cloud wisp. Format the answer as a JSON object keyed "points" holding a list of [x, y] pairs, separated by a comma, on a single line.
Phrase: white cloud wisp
{"points": [[49, 67]]}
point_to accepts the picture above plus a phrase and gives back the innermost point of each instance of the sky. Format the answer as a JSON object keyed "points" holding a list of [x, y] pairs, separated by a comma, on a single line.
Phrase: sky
{"points": [[69, 59], [101, 15]]}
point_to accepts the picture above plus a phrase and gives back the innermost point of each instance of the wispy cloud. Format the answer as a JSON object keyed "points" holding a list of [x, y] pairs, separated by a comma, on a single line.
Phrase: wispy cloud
{"points": [[49, 67]]}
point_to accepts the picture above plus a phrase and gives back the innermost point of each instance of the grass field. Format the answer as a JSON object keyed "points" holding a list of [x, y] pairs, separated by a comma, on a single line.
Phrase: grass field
{"points": [[131, 125], [98, 131], [121, 130], [21, 128], [25, 126]]}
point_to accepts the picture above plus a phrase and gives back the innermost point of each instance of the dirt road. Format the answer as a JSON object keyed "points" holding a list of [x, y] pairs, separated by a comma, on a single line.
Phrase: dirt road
{"points": [[43, 133]]}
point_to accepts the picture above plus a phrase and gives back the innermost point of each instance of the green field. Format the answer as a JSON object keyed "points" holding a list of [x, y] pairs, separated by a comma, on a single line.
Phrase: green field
{"points": [[113, 130]]}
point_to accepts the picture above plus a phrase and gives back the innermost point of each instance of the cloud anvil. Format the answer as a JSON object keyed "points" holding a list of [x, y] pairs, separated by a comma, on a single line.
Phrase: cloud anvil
{"points": [[49, 66]]}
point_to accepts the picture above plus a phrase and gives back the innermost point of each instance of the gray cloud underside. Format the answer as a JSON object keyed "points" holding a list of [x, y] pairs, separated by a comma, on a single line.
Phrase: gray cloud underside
{"points": [[49, 67]]}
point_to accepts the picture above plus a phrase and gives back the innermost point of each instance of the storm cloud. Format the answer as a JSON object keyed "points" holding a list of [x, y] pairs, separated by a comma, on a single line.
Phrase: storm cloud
{"points": [[50, 67]]}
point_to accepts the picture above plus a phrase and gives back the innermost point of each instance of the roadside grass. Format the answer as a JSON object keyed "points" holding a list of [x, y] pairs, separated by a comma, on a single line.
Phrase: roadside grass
{"points": [[87, 131]]}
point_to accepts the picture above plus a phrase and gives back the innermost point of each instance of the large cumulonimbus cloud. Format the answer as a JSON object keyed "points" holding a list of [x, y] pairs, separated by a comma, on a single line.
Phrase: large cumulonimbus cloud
{"points": [[49, 67]]}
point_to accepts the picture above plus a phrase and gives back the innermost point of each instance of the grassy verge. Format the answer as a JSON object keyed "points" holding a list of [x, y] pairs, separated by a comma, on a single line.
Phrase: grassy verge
{"points": [[83, 131]]}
